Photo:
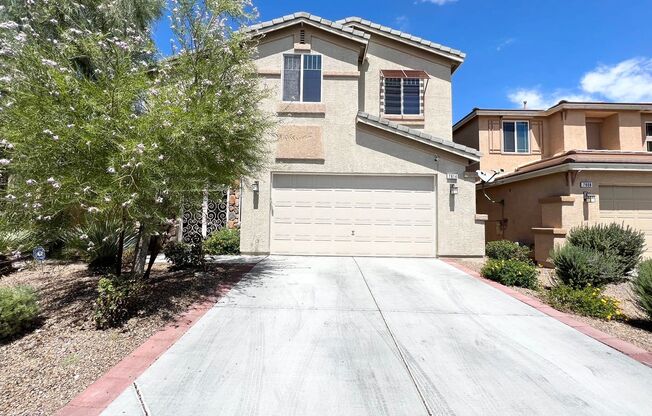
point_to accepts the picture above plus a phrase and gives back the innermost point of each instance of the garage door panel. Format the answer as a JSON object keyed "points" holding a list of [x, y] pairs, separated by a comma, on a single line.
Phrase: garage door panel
{"points": [[353, 215], [628, 205]]}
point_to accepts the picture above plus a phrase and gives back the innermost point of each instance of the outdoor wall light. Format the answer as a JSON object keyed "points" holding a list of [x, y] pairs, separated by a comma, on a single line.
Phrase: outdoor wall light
{"points": [[589, 198], [255, 187], [454, 189]]}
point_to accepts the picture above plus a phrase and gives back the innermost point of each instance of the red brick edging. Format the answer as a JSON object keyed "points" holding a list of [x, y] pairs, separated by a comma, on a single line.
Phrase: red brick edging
{"points": [[108, 387], [637, 353]]}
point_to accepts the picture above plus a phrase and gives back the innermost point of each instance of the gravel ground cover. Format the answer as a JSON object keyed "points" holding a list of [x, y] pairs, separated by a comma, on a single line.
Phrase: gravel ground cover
{"points": [[44, 369], [636, 329]]}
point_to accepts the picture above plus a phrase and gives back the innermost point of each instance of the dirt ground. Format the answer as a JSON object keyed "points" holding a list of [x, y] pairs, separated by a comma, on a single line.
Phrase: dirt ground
{"points": [[45, 368]]}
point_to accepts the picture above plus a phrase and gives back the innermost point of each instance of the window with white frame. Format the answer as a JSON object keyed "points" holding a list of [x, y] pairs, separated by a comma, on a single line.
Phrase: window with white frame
{"points": [[402, 96], [648, 137], [516, 137], [302, 78]]}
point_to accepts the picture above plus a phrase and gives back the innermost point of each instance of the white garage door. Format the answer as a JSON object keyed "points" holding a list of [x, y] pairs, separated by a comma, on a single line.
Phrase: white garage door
{"points": [[353, 215], [631, 205]]}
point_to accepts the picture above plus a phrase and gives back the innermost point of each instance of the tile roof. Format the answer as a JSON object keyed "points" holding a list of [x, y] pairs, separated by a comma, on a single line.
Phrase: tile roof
{"points": [[420, 136], [406, 37], [311, 19]]}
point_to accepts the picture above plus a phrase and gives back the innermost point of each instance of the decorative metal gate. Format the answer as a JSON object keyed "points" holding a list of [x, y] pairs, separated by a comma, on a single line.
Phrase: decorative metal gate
{"points": [[198, 222]]}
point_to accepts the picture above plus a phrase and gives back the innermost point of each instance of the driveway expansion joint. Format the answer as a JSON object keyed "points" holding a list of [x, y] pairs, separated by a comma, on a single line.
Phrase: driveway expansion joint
{"points": [[395, 342], [141, 400]]}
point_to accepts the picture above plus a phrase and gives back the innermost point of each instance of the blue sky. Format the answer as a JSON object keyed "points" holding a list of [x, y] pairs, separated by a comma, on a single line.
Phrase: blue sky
{"points": [[541, 51]]}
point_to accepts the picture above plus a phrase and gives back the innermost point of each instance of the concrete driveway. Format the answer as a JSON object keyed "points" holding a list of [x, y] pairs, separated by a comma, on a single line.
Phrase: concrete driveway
{"points": [[378, 336]]}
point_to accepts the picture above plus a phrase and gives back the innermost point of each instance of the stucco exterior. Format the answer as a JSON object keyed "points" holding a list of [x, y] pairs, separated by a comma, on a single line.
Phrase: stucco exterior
{"points": [[351, 84], [539, 198]]}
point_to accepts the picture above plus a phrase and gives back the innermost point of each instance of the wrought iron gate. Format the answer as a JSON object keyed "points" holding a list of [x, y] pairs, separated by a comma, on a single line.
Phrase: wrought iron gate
{"points": [[198, 222]]}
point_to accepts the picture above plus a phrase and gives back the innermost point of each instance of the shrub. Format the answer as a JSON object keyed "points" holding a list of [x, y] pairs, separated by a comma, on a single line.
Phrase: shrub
{"points": [[507, 250], [587, 301], [18, 310], [224, 241], [580, 267], [98, 243], [623, 243], [511, 272], [184, 256], [117, 300], [642, 284]]}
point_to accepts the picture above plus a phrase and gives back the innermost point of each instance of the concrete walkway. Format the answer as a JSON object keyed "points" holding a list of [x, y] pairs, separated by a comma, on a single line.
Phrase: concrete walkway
{"points": [[313, 336]]}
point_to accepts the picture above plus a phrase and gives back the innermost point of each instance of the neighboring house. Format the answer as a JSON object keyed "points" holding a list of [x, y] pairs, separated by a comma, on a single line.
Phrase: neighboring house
{"points": [[573, 164], [362, 161]]}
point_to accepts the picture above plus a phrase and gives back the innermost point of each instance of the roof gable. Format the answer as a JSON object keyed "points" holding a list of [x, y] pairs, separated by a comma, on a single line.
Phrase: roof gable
{"points": [[456, 56], [310, 20]]}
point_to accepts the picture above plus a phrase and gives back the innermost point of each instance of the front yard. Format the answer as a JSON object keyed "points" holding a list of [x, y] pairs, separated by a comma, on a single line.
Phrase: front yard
{"points": [[46, 367]]}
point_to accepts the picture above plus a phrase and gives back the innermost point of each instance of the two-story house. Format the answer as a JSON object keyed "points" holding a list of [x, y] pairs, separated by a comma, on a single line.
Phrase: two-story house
{"points": [[572, 164], [362, 161]]}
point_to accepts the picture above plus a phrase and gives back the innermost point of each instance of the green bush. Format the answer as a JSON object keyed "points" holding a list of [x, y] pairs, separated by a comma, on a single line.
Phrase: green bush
{"points": [[511, 273], [117, 300], [587, 301], [507, 250], [224, 241], [98, 242], [642, 284], [184, 256], [580, 267], [623, 243], [18, 310]]}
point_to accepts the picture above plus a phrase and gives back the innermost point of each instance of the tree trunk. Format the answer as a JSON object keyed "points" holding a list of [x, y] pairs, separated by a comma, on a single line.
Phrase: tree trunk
{"points": [[155, 246], [140, 257], [121, 247]]}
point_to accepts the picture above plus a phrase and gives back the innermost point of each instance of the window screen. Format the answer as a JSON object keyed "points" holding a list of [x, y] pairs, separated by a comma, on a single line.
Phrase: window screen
{"points": [[392, 96], [291, 77], [509, 134], [648, 129], [411, 96]]}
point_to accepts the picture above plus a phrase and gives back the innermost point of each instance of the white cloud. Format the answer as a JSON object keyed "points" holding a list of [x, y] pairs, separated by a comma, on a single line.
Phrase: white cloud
{"points": [[437, 2], [502, 45], [402, 23], [630, 80], [537, 99], [627, 81]]}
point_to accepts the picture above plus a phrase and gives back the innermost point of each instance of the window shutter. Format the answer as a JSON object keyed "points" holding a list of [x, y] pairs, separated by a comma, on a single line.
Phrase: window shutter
{"points": [[536, 140], [494, 136]]}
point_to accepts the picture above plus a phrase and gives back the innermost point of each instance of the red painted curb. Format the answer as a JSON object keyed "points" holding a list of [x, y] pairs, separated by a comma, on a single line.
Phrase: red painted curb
{"points": [[108, 387], [631, 350]]}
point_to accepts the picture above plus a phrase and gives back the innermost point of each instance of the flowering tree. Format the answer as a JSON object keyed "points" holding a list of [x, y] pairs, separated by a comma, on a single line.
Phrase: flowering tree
{"points": [[94, 126]]}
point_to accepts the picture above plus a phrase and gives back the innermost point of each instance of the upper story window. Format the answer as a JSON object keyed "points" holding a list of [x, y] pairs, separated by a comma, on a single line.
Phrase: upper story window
{"points": [[648, 137], [302, 78], [403, 96], [516, 137], [402, 92]]}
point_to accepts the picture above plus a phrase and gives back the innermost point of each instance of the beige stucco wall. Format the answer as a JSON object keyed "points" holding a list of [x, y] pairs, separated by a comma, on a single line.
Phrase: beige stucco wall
{"points": [[609, 133], [574, 130], [525, 210], [521, 209], [630, 125], [387, 54], [496, 159], [554, 134], [352, 148]]}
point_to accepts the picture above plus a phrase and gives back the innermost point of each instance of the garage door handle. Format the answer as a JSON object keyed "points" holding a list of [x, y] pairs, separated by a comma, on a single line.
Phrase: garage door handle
{"points": [[352, 232]]}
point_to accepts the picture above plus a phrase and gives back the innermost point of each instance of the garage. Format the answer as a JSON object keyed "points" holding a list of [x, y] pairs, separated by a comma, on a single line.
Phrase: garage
{"points": [[362, 215], [629, 205]]}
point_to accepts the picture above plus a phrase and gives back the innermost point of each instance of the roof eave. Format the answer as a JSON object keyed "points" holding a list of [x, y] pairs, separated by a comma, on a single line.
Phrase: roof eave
{"points": [[440, 144]]}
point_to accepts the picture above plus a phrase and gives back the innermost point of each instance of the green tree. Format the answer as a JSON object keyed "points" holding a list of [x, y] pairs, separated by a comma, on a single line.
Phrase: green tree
{"points": [[93, 125]]}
